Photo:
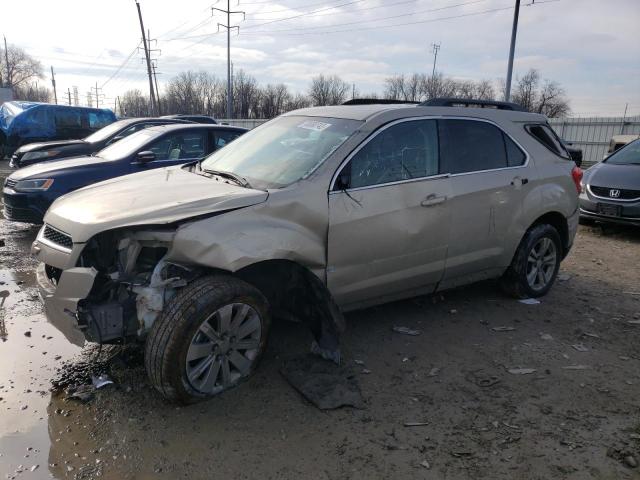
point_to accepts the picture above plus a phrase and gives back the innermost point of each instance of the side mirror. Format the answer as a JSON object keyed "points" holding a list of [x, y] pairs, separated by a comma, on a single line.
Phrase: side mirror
{"points": [[342, 182], [146, 156]]}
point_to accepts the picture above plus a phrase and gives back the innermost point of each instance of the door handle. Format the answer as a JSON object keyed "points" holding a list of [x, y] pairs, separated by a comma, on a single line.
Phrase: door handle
{"points": [[432, 200]]}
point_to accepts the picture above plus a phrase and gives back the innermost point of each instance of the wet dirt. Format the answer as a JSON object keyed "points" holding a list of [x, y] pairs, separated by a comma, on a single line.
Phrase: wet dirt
{"points": [[441, 404]]}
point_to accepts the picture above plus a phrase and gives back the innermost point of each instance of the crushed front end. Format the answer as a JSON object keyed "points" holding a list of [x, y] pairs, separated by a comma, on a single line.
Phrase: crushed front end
{"points": [[110, 288]]}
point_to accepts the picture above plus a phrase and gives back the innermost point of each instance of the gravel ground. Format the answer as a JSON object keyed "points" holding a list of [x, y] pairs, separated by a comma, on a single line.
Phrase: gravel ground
{"points": [[555, 394]]}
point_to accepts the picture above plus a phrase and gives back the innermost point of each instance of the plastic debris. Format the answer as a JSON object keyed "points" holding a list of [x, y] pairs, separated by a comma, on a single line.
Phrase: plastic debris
{"points": [[406, 331], [521, 371], [530, 301], [503, 329], [100, 381], [425, 464], [322, 382], [415, 424]]}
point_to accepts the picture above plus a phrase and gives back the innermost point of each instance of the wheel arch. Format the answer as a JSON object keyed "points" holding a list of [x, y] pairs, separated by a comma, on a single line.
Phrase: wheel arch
{"points": [[294, 292], [558, 221]]}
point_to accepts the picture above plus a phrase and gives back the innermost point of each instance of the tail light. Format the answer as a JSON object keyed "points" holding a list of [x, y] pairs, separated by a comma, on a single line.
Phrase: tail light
{"points": [[576, 174]]}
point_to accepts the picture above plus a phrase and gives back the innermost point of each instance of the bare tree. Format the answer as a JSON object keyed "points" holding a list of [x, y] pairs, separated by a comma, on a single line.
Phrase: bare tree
{"points": [[465, 89], [552, 101], [328, 90], [134, 104], [484, 90], [274, 100], [21, 69], [436, 86], [246, 95], [298, 101], [546, 97], [32, 92]]}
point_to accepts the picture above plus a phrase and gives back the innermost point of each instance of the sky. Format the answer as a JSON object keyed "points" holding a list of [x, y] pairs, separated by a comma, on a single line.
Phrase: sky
{"points": [[591, 47]]}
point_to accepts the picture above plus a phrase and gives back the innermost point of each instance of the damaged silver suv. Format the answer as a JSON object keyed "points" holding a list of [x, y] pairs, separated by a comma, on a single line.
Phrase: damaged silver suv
{"points": [[315, 213]]}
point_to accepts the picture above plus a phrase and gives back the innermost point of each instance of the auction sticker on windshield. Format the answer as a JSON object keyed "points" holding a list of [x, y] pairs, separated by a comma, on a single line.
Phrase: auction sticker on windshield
{"points": [[313, 125]]}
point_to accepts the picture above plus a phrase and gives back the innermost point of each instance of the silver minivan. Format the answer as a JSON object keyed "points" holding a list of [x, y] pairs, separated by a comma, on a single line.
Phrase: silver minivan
{"points": [[312, 214]]}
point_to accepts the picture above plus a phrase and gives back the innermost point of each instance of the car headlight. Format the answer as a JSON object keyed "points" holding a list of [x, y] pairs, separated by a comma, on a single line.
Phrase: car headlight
{"points": [[38, 155], [35, 185]]}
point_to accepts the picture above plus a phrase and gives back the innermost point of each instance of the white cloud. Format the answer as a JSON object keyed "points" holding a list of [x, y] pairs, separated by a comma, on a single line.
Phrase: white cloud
{"points": [[591, 47]]}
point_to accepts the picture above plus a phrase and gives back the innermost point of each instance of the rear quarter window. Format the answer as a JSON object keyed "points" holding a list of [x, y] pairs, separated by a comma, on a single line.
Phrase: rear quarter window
{"points": [[547, 137]]}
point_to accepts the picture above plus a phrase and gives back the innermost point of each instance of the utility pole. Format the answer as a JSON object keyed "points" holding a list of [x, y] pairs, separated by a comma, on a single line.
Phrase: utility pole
{"points": [[353, 91], [53, 82], [6, 60], [434, 48], [69, 95], [514, 31], [154, 62], [152, 106], [76, 100], [97, 95], [229, 27], [155, 80]]}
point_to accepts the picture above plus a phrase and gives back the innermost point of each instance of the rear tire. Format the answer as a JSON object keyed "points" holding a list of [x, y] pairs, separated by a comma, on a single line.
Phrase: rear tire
{"points": [[208, 338], [535, 264]]}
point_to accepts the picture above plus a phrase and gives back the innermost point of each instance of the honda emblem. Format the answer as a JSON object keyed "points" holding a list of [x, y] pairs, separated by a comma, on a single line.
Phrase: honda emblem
{"points": [[614, 193]]}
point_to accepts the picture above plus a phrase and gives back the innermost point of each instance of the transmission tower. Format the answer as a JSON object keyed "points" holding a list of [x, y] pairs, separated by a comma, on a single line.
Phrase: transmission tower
{"points": [[435, 47], [229, 27]]}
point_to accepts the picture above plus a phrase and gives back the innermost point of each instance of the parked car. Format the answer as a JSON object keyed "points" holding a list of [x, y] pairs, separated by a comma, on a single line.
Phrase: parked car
{"points": [[29, 191], [574, 153], [611, 188], [192, 118], [58, 149], [317, 212], [619, 141], [29, 122]]}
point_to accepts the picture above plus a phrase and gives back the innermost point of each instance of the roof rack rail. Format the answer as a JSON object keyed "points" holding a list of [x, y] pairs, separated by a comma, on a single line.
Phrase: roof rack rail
{"points": [[470, 102], [374, 101]]}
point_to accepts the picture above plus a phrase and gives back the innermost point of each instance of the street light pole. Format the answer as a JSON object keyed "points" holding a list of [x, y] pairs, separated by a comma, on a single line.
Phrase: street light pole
{"points": [[514, 31]]}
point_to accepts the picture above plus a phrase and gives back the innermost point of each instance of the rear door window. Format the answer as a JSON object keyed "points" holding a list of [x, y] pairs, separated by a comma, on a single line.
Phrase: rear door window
{"points": [[546, 136], [403, 151], [182, 145], [222, 138], [471, 146]]}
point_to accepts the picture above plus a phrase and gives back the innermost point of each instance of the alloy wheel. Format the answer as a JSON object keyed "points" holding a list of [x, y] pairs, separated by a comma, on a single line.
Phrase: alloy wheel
{"points": [[224, 348], [541, 263]]}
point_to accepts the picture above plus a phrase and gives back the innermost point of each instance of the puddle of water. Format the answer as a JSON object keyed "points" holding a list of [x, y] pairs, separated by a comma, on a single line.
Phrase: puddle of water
{"points": [[27, 363]]}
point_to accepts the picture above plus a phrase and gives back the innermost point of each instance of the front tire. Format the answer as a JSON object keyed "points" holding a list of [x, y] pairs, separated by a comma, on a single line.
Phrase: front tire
{"points": [[535, 265], [209, 338]]}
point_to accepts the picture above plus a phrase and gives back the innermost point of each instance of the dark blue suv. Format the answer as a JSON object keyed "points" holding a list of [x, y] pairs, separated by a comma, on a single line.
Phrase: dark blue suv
{"points": [[28, 193]]}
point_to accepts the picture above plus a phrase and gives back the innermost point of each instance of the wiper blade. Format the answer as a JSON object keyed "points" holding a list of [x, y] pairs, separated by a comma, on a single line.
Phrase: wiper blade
{"points": [[233, 176]]}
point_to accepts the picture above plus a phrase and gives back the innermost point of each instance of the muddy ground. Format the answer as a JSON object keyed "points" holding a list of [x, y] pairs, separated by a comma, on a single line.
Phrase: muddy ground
{"points": [[577, 416]]}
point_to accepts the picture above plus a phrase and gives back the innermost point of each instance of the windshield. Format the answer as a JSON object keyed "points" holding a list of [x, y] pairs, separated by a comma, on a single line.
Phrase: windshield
{"points": [[629, 155], [283, 150], [106, 132], [127, 146]]}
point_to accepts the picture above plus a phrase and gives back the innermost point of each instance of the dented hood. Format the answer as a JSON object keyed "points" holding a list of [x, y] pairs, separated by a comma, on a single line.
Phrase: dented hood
{"points": [[155, 197]]}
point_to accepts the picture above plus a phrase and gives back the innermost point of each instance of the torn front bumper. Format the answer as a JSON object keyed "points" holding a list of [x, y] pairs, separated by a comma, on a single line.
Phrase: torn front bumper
{"points": [[61, 300]]}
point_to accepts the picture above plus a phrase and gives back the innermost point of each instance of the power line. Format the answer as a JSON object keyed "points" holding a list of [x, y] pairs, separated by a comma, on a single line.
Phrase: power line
{"points": [[420, 22], [430, 10], [122, 65]]}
